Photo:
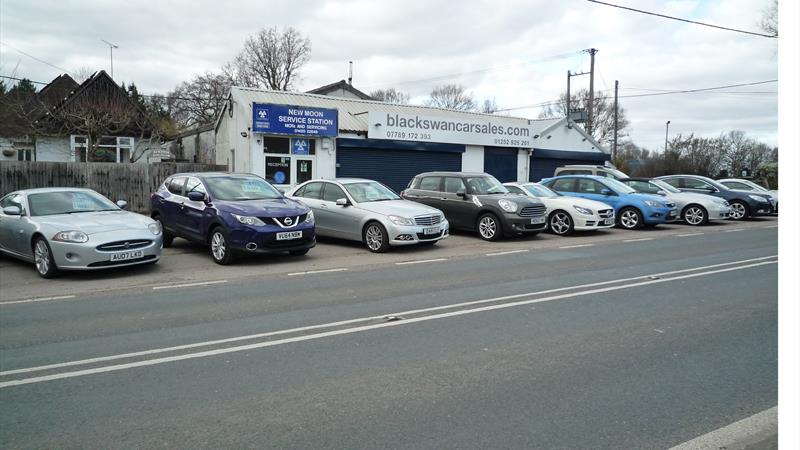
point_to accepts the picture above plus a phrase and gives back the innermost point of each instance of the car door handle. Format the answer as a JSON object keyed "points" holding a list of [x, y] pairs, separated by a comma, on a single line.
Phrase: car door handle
{"points": [[323, 206]]}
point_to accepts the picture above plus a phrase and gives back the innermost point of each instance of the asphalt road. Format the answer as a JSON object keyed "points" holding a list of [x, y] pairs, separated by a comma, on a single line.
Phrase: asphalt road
{"points": [[609, 340]]}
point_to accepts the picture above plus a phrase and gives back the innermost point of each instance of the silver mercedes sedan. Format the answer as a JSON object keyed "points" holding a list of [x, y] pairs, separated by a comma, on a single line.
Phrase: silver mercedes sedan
{"points": [[367, 211], [75, 229]]}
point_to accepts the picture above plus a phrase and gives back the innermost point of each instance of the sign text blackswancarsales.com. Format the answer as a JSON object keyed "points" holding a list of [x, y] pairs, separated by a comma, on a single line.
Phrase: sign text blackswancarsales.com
{"points": [[478, 131]]}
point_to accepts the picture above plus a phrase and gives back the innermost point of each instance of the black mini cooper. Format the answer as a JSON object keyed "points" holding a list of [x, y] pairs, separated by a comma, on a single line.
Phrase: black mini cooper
{"points": [[478, 202]]}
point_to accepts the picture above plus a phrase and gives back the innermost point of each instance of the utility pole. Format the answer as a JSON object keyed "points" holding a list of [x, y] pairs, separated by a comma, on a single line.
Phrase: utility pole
{"points": [[350, 78], [568, 94], [616, 117], [666, 137], [111, 48], [590, 118]]}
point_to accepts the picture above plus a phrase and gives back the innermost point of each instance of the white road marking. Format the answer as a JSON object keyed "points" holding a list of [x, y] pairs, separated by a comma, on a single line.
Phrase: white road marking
{"points": [[771, 226], [199, 283], [689, 234], [358, 329], [507, 252], [733, 230], [41, 299], [577, 246], [739, 434], [311, 272], [420, 261], [638, 240], [364, 319]]}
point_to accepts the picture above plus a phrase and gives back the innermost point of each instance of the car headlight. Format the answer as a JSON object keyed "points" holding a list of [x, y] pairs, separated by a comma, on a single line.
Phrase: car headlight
{"points": [[397, 220], [508, 205], [653, 204], [758, 198], [582, 210], [310, 216], [75, 236], [154, 228], [248, 220]]}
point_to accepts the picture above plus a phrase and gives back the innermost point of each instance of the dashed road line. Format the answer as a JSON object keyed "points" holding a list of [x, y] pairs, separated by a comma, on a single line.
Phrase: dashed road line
{"points": [[311, 272], [36, 300], [771, 226], [689, 234], [577, 246], [199, 283], [508, 252], [733, 230], [420, 261], [638, 240]]}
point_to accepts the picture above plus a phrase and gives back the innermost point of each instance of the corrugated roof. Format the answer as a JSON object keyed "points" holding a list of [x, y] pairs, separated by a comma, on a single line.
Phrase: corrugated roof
{"points": [[353, 112]]}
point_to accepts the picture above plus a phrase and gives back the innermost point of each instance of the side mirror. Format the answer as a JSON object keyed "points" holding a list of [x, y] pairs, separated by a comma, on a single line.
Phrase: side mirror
{"points": [[606, 192], [122, 204], [197, 196], [461, 194], [12, 211], [342, 202], [662, 193]]}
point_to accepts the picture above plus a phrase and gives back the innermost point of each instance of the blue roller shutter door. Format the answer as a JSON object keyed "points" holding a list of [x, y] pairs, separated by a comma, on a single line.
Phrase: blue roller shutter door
{"points": [[544, 162], [394, 168], [501, 162]]}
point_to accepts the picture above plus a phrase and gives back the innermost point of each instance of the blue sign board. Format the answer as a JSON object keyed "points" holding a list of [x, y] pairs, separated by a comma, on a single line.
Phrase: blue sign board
{"points": [[295, 120], [300, 146]]}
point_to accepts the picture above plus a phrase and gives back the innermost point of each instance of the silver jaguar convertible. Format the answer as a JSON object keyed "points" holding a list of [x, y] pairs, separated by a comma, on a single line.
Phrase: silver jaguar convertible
{"points": [[75, 229]]}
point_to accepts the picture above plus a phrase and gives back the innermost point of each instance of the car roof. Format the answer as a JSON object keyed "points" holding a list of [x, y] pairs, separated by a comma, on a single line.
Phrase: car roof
{"points": [[591, 177], [350, 180], [53, 189], [635, 179], [211, 174], [453, 174], [584, 166]]}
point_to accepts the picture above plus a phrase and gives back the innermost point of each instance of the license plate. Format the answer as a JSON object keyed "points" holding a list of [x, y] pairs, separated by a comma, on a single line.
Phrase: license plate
{"points": [[289, 235], [430, 230], [536, 220], [124, 256], [608, 222]]}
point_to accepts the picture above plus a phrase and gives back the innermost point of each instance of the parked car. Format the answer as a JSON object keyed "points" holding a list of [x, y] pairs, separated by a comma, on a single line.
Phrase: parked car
{"points": [[232, 213], [633, 210], [744, 204], [367, 211], [75, 229], [478, 202], [741, 184], [694, 209], [566, 214], [585, 169]]}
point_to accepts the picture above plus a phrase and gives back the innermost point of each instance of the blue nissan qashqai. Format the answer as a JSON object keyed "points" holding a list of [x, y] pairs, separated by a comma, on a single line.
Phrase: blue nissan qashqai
{"points": [[633, 210], [232, 213]]}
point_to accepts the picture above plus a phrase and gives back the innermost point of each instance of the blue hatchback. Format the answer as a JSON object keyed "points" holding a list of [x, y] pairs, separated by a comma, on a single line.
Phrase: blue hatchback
{"points": [[632, 209], [233, 214]]}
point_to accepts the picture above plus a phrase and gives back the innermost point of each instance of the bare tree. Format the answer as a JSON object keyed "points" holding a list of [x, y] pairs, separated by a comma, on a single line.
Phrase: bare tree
{"points": [[200, 100], [452, 96], [603, 127], [489, 106], [83, 73], [391, 95], [270, 59], [769, 19]]}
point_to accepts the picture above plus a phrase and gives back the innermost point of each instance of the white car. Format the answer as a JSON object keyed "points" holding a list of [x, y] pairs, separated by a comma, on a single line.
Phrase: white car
{"points": [[740, 184], [566, 214], [693, 208]]}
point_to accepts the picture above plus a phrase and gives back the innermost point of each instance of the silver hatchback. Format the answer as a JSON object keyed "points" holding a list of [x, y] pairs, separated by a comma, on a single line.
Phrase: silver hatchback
{"points": [[367, 211]]}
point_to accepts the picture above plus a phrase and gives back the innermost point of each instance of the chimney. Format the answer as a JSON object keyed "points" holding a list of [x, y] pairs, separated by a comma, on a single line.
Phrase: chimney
{"points": [[350, 78]]}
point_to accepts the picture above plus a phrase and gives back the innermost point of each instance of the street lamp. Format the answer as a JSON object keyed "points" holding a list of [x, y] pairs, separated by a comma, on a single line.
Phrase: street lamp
{"points": [[111, 48], [666, 136]]}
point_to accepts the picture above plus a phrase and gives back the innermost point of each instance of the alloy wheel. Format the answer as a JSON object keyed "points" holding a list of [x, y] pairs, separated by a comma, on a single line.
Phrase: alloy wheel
{"points": [[487, 227], [560, 223], [694, 216], [629, 219], [738, 211], [374, 237], [218, 245], [42, 257]]}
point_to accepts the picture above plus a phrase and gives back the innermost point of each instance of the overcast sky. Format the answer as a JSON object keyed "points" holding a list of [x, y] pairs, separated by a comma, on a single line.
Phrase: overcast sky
{"points": [[515, 52]]}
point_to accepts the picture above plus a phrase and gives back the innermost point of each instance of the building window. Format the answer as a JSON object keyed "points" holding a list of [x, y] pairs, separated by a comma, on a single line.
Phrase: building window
{"points": [[108, 149], [24, 154], [289, 161]]}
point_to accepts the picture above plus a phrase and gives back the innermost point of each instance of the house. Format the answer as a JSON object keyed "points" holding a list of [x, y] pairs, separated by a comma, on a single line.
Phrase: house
{"points": [[94, 121], [341, 89]]}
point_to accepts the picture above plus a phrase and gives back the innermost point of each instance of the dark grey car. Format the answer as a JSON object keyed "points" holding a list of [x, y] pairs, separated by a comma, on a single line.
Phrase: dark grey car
{"points": [[478, 202]]}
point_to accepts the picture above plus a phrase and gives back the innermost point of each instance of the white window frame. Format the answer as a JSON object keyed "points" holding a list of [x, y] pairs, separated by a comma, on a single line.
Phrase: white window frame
{"points": [[119, 146]]}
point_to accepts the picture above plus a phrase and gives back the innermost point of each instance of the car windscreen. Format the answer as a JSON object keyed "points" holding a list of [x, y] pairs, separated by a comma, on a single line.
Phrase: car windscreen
{"points": [[68, 202], [666, 186], [539, 190], [485, 185], [233, 188], [618, 186], [370, 191], [617, 174]]}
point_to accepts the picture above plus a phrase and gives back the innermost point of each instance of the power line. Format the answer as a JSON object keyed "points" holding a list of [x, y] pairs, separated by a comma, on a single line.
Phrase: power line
{"points": [[35, 58], [684, 20]]}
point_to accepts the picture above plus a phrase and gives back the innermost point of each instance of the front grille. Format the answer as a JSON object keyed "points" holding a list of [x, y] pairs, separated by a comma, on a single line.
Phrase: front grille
{"points": [[606, 213], [124, 245], [427, 221], [281, 221], [531, 211], [117, 263]]}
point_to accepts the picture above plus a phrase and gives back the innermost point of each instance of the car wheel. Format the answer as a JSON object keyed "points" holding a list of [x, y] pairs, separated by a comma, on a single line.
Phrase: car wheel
{"points": [[298, 252], [219, 246], [489, 227], [375, 238], [695, 215], [561, 223], [739, 210], [166, 237], [43, 258], [630, 219]]}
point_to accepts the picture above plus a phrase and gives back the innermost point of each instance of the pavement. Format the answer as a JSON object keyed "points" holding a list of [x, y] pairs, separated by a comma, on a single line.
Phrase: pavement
{"points": [[616, 339]]}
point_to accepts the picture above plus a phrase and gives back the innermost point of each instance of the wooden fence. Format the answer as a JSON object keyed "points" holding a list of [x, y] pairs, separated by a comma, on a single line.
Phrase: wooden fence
{"points": [[130, 182]]}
